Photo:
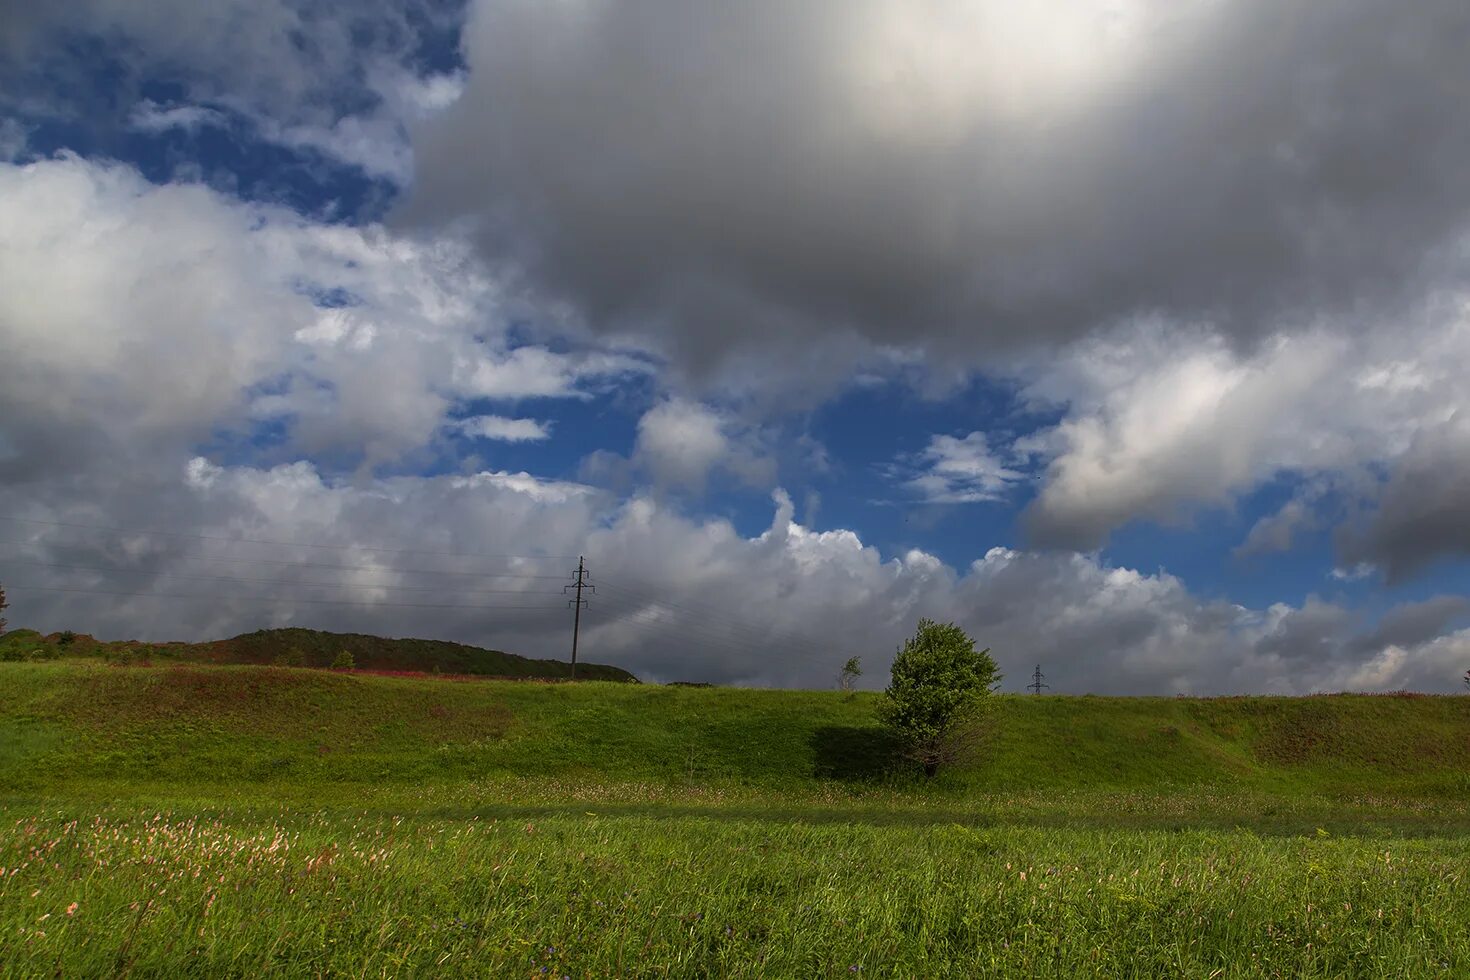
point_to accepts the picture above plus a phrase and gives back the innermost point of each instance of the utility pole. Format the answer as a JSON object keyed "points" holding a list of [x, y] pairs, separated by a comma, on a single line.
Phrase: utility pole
{"points": [[1037, 679], [577, 604]]}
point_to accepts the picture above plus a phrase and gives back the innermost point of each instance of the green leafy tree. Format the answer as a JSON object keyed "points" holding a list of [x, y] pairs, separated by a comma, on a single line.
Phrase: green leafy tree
{"points": [[292, 657], [937, 702], [344, 661], [851, 671]]}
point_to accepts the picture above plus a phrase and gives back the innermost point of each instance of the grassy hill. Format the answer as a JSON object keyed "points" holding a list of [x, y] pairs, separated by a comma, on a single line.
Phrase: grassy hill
{"points": [[192, 819], [310, 648], [75, 721]]}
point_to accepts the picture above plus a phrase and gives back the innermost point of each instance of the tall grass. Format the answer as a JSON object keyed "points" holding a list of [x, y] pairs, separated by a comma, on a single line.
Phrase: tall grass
{"points": [[328, 893]]}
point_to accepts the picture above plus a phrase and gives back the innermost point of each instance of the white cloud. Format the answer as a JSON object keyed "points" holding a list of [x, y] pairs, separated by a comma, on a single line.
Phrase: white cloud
{"points": [[1160, 422], [151, 117], [532, 371], [504, 429], [680, 441], [137, 316], [14, 138], [678, 598], [961, 471]]}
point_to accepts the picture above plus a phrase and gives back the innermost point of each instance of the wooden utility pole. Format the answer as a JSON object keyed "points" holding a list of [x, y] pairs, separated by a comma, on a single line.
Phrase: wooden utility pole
{"points": [[579, 584]]}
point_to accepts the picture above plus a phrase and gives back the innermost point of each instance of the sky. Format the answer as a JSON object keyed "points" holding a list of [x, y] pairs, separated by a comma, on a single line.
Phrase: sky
{"points": [[1130, 335]]}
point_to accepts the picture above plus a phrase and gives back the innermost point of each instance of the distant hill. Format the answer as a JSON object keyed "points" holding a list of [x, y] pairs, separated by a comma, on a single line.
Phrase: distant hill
{"points": [[312, 648]]}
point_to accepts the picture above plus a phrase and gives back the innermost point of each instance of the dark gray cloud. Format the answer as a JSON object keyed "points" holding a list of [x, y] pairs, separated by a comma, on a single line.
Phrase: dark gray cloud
{"points": [[1415, 623], [1423, 513], [969, 175]]}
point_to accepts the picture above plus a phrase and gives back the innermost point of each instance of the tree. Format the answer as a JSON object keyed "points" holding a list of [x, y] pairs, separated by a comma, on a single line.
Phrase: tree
{"points": [[936, 704], [292, 657], [344, 661], [851, 671]]}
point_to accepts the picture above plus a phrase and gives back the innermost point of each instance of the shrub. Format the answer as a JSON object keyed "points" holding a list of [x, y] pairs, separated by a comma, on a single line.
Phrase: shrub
{"points": [[344, 661], [11, 655], [66, 639], [291, 658], [936, 704]]}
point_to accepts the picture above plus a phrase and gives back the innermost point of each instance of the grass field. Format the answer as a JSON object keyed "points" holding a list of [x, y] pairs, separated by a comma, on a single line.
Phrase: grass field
{"points": [[238, 821]]}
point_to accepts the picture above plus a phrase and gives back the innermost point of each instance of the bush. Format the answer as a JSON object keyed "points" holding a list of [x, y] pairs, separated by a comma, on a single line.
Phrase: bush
{"points": [[344, 661], [291, 658], [66, 639], [936, 704], [11, 655]]}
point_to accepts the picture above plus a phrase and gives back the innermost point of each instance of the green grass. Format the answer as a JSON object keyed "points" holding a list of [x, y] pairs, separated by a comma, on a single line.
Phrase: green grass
{"points": [[238, 821]]}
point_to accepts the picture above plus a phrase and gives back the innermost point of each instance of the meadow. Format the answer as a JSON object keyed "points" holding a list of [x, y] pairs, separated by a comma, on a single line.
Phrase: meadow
{"points": [[238, 821]]}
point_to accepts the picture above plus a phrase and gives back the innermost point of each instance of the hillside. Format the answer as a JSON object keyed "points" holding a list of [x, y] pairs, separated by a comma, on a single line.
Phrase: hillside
{"points": [[312, 648], [71, 721], [188, 819]]}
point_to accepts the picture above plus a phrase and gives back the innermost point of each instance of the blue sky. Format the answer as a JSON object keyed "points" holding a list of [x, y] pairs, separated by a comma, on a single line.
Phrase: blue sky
{"points": [[1014, 318]]}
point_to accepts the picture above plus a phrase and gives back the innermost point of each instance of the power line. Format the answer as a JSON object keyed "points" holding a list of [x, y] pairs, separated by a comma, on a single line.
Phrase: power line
{"points": [[285, 544], [274, 599]]}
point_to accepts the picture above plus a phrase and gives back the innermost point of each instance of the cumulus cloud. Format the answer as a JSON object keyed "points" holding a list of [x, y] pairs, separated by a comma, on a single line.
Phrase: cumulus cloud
{"points": [[151, 117], [1159, 422], [504, 429], [964, 176], [1276, 532], [1220, 244], [433, 556], [179, 316], [338, 78], [960, 471], [679, 442], [1424, 511]]}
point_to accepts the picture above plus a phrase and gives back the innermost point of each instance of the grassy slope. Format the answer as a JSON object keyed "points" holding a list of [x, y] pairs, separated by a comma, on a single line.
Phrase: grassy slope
{"points": [[243, 821], [71, 722], [315, 648]]}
